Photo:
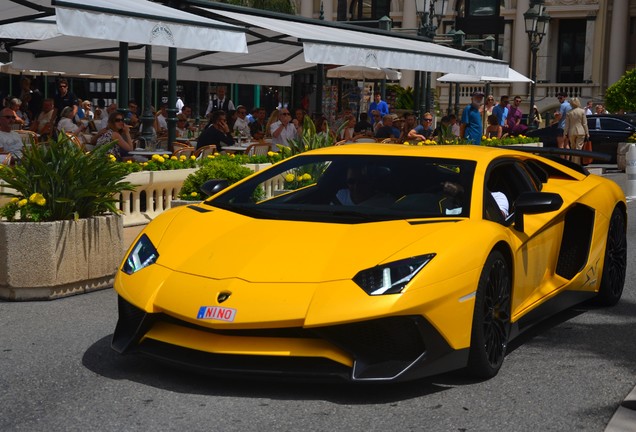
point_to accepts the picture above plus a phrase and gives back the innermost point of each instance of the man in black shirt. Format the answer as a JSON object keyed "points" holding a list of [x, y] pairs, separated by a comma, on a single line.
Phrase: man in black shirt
{"points": [[64, 97], [218, 133]]}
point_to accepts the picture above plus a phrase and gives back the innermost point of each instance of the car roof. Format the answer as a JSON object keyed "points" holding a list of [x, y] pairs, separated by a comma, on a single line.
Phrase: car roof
{"points": [[630, 118], [467, 152]]}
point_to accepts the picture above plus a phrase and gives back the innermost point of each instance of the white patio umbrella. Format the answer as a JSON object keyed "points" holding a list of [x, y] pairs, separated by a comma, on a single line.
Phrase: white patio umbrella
{"points": [[364, 73], [513, 76]]}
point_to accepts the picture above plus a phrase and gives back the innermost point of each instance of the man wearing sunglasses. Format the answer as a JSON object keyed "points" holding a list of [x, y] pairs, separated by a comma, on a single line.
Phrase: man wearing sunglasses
{"points": [[283, 130], [424, 130], [64, 97], [10, 140]]}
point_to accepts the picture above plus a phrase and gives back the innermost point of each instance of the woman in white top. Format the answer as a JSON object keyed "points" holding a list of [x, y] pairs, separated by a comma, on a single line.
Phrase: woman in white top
{"points": [[348, 132], [66, 121]]}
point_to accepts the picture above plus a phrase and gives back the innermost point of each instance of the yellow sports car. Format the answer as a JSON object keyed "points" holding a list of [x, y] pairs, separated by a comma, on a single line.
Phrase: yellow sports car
{"points": [[372, 263]]}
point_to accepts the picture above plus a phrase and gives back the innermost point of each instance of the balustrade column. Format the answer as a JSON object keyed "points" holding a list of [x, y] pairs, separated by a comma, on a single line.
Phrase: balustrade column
{"points": [[618, 42]]}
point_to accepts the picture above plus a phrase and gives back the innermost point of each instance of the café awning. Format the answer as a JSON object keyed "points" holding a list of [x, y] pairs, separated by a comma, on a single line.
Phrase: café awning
{"points": [[288, 43], [146, 22]]}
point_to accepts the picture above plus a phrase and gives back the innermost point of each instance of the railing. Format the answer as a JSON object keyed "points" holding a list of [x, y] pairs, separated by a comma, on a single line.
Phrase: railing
{"points": [[156, 190]]}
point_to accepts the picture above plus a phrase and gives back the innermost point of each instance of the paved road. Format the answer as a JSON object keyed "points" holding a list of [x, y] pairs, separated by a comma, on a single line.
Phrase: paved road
{"points": [[58, 373]]}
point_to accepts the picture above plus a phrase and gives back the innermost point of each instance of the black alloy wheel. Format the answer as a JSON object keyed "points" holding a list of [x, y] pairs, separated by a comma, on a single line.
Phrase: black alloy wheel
{"points": [[491, 319], [613, 277]]}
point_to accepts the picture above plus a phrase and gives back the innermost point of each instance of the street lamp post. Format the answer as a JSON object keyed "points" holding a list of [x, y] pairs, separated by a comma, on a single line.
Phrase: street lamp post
{"points": [[427, 10], [536, 20]]}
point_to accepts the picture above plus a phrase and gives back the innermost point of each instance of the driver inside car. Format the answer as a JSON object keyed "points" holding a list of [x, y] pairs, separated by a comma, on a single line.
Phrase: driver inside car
{"points": [[362, 190]]}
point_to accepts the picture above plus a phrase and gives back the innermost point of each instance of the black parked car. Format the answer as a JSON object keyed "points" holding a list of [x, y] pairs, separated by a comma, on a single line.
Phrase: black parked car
{"points": [[606, 131]]}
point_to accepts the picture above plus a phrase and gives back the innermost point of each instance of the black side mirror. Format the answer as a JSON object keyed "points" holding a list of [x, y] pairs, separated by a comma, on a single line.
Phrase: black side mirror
{"points": [[535, 203], [214, 186]]}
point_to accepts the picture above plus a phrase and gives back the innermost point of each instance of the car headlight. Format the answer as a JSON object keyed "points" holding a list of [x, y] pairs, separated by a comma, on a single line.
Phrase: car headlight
{"points": [[142, 255], [391, 278]]}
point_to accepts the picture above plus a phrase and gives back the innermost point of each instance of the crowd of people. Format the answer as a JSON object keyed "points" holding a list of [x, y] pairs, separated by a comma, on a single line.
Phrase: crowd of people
{"points": [[226, 122]]}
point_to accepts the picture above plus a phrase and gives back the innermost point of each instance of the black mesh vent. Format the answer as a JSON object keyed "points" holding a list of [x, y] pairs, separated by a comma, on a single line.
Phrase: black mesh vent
{"points": [[575, 244]]}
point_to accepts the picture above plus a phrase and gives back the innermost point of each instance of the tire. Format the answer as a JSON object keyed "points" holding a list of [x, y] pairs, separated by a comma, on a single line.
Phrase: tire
{"points": [[615, 263], [491, 318]]}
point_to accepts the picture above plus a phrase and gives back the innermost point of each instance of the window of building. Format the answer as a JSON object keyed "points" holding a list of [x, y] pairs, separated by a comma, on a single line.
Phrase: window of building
{"points": [[571, 55], [369, 10]]}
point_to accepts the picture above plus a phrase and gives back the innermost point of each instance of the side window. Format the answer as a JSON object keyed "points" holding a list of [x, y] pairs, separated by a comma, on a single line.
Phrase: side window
{"points": [[614, 124], [511, 179], [591, 124]]}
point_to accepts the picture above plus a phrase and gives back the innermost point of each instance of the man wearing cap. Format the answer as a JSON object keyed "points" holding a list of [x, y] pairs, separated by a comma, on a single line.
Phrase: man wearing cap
{"points": [[471, 128], [387, 130]]}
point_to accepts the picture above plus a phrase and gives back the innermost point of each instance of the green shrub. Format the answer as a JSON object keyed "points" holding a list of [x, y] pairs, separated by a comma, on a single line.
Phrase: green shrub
{"points": [[58, 181], [217, 168]]}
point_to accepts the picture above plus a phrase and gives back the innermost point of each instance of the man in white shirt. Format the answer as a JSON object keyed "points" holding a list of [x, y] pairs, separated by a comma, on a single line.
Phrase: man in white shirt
{"points": [[10, 141], [162, 123], [220, 102], [283, 130], [241, 124], [43, 125]]}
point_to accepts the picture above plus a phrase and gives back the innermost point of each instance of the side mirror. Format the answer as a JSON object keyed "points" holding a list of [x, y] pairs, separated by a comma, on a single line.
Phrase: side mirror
{"points": [[535, 203], [214, 186]]}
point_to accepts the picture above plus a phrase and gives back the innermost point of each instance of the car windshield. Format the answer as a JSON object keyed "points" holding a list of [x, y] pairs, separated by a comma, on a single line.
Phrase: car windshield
{"points": [[354, 189]]}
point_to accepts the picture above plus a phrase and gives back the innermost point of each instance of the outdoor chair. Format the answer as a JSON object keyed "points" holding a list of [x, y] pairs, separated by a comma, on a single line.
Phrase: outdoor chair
{"points": [[180, 145], [75, 140], [257, 150], [187, 152], [204, 151], [5, 159]]}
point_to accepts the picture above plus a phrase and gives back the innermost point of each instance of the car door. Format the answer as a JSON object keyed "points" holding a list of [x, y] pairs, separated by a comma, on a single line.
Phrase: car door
{"points": [[535, 250], [607, 133]]}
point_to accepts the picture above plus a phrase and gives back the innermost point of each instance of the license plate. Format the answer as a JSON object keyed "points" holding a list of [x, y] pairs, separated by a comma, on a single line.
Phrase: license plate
{"points": [[216, 313]]}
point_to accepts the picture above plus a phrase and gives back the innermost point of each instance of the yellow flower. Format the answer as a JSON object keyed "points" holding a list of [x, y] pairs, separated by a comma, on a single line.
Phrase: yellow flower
{"points": [[306, 176], [299, 178], [193, 157], [161, 159], [232, 155], [166, 156], [270, 153], [483, 137], [406, 143], [488, 139], [194, 194], [182, 158], [112, 158], [37, 198], [173, 158], [22, 202], [289, 178], [210, 156], [129, 161], [14, 200], [155, 157]]}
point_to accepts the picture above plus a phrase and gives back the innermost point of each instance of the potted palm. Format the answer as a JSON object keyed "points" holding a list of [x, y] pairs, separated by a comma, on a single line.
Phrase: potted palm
{"points": [[60, 233]]}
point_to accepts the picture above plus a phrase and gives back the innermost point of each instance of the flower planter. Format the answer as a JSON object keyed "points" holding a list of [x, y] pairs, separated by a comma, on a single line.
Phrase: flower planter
{"points": [[621, 152], [48, 260]]}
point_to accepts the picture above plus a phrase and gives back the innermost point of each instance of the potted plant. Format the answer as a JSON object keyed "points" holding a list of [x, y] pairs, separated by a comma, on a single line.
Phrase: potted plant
{"points": [[60, 234], [215, 168]]}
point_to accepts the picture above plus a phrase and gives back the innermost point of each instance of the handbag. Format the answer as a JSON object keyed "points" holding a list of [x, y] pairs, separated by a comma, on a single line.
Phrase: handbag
{"points": [[587, 146]]}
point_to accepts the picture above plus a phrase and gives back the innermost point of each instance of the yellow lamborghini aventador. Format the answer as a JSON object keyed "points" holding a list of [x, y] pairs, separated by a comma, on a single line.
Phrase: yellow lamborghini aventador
{"points": [[372, 262]]}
